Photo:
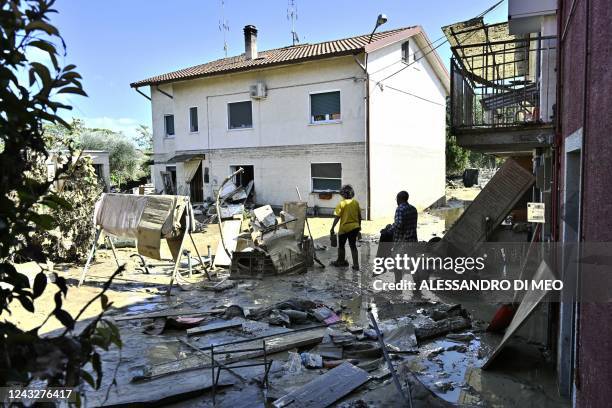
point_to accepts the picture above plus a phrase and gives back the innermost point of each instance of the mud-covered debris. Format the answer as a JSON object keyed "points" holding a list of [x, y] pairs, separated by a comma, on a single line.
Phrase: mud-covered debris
{"points": [[278, 318], [461, 336], [459, 348], [431, 328], [311, 360], [325, 315], [296, 316], [433, 353], [233, 311], [370, 334], [403, 337], [444, 386], [303, 305], [341, 338]]}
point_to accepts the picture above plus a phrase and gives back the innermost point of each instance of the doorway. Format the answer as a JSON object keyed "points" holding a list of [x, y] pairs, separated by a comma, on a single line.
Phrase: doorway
{"points": [[243, 179], [569, 308], [196, 186]]}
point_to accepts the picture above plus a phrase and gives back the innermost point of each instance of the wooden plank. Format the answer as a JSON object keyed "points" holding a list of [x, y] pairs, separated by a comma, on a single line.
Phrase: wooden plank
{"points": [[531, 299], [326, 389], [213, 327], [156, 393], [169, 313], [274, 344], [231, 230], [494, 202]]}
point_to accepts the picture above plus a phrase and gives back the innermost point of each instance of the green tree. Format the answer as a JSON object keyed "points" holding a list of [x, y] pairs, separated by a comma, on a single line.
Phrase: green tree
{"points": [[28, 98], [456, 156], [125, 160], [144, 140]]}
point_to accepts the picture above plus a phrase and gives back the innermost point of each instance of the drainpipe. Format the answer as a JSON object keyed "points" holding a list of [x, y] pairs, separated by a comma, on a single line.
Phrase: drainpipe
{"points": [[364, 68], [367, 143]]}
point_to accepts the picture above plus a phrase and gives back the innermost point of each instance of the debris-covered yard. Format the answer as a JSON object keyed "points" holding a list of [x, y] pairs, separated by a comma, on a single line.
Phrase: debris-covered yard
{"points": [[309, 330]]}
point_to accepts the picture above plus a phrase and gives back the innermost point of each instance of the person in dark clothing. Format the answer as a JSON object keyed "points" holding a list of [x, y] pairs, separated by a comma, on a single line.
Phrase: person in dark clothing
{"points": [[405, 223], [404, 230]]}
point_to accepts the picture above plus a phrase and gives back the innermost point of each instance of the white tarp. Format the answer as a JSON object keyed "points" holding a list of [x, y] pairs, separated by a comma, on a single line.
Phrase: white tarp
{"points": [[147, 219]]}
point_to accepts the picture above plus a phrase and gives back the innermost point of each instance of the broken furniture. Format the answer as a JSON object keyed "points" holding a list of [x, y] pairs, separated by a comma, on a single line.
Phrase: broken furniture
{"points": [[147, 219], [274, 248], [215, 365]]}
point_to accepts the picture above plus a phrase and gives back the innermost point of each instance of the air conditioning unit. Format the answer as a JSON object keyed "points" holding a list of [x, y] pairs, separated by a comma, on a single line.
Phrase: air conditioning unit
{"points": [[258, 91]]}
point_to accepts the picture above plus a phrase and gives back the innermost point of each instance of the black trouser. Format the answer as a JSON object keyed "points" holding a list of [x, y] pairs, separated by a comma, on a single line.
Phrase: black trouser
{"points": [[351, 237]]}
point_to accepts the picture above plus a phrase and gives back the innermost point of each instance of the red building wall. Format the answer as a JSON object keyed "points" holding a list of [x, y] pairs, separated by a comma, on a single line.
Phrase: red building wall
{"points": [[589, 31]]}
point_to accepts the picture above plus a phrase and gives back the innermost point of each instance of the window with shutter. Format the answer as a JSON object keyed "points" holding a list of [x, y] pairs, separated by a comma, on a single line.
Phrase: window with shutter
{"points": [[240, 115], [193, 119], [169, 125], [326, 176], [325, 107]]}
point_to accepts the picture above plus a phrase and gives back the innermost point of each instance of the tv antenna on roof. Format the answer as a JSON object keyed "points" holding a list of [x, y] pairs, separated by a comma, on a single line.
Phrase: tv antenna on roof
{"points": [[292, 15], [224, 27]]}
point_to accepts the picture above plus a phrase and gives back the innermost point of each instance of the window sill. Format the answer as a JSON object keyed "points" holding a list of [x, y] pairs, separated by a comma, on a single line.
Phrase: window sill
{"points": [[169, 136], [325, 122], [196, 132], [239, 129]]}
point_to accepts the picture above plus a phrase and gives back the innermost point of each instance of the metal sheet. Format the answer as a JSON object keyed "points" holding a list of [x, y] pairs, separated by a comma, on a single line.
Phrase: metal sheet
{"points": [[231, 230], [530, 301]]}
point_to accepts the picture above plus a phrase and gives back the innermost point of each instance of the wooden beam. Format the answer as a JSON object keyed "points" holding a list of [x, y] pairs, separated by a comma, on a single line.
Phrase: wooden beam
{"points": [[325, 389], [274, 344], [213, 327]]}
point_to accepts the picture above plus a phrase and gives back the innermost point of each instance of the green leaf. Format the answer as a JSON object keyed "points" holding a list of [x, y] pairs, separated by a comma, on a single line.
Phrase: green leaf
{"points": [[88, 378], [97, 366], [42, 26], [116, 335], [73, 90], [60, 281], [43, 73], [65, 318], [104, 301], [40, 283], [26, 302], [43, 221], [44, 45], [11, 276], [58, 300]]}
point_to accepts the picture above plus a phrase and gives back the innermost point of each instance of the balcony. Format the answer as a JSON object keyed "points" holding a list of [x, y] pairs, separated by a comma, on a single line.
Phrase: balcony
{"points": [[502, 91]]}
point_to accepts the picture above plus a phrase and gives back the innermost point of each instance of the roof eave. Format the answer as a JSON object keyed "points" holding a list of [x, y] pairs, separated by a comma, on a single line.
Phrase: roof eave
{"points": [[148, 82]]}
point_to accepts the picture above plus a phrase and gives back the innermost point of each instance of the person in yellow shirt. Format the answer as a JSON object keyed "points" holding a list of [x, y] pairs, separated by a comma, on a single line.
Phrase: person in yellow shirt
{"points": [[348, 214]]}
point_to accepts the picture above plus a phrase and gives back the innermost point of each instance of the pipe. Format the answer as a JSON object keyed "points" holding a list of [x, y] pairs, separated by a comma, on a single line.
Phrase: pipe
{"points": [[142, 93]]}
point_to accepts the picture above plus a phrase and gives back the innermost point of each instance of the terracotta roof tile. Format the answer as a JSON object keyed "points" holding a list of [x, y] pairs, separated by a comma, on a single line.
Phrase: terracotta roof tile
{"points": [[278, 56]]}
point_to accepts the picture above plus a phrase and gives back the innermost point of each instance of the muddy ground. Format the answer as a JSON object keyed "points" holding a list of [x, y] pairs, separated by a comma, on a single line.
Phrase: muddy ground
{"points": [[445, 370]]}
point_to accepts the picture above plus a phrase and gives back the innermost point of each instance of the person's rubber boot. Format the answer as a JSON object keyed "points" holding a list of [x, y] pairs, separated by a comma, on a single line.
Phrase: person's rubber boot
{"points": [[355, 256]]}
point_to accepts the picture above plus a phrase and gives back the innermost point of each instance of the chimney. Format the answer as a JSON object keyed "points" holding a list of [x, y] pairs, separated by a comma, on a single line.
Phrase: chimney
{"points": [[250, 42]]}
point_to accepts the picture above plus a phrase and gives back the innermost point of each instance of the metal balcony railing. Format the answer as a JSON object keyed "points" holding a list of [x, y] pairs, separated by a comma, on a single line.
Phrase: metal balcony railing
{"points": [[500, 85]]}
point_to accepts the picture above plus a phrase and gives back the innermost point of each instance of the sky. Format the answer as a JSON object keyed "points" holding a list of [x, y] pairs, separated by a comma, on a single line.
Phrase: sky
{"points": [[116, 42]]}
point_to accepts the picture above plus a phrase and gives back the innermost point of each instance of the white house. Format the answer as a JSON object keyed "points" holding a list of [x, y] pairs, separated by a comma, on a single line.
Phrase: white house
{"points": [[99, 160], [364, 111]]}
